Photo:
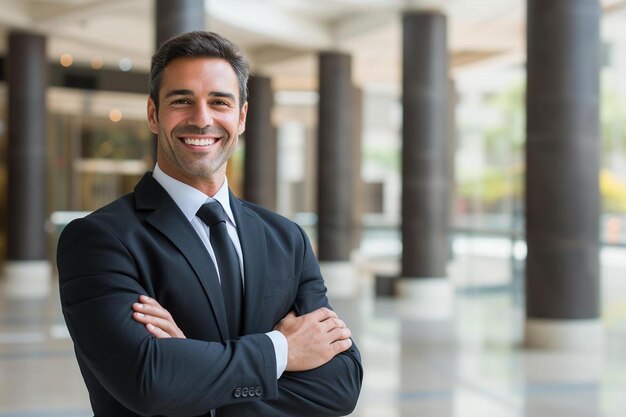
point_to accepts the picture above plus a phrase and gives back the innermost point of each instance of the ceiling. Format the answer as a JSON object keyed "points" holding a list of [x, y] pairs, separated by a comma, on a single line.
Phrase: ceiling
{"points": [[281, 37]]}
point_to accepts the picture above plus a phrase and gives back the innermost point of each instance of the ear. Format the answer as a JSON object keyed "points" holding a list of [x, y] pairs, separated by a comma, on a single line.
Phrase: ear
{"points": [[242, 118], [153, 121]]}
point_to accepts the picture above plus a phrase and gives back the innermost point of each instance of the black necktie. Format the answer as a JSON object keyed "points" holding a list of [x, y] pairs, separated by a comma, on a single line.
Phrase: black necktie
{"points": [[213, 215]]}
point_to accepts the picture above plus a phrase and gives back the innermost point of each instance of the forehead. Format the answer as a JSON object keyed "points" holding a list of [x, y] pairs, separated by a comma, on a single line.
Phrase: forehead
{"points": [[199, 75]]}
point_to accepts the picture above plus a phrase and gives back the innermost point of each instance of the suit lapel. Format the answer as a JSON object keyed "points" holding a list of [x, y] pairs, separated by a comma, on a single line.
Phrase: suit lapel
{"points": [[253, 246], [169, 220]]}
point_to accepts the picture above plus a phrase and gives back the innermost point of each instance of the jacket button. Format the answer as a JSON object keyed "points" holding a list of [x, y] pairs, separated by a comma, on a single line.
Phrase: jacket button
{"points": [[258, 391], [251, 392], [244, 392], [237, 393]]}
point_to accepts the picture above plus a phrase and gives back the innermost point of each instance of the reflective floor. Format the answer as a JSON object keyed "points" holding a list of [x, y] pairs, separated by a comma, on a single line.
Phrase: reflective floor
{"points": [[469, 365]]}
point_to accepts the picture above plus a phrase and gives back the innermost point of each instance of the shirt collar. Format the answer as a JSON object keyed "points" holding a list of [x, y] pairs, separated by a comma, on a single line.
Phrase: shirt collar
{"points": [[190, 199]]}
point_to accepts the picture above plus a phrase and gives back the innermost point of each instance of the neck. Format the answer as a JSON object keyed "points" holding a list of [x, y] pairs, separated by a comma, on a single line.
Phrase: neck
{"points": [[209, 185]]}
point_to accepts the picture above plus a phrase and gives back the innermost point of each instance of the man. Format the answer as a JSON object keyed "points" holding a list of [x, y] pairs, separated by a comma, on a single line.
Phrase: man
{"points": [[163, 322]]}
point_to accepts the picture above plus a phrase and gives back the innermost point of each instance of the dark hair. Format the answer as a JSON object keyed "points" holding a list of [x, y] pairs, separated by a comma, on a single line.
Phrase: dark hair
{"points": [[199, 44]]}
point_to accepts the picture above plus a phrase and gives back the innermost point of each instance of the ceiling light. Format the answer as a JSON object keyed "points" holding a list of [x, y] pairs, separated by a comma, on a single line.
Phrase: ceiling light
{"points": [[125, 64], [96, 62], [115, 115], [66, 60]]}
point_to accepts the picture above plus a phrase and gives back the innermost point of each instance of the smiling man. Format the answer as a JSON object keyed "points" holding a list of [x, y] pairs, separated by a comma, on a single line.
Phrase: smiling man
{"points": [[198, 120], [183, 300]]}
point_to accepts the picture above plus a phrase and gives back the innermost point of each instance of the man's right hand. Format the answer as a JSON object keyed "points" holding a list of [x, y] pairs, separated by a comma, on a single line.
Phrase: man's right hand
{"points": [[314, 338], [158, 321]]}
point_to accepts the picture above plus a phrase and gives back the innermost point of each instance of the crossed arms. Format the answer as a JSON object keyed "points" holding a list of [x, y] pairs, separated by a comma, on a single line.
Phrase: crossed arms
{"points": [[149, 373], [313, 339]]}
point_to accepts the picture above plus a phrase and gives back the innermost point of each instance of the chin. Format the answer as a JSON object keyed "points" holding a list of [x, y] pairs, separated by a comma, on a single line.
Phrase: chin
{"points": [[201, 172]]}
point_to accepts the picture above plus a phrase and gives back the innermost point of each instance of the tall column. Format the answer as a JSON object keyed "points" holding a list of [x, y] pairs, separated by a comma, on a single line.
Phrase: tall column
{"points": [[562, 166], [174, 17], [335, 170], [27, 268], [260, 141], [425, 138]]}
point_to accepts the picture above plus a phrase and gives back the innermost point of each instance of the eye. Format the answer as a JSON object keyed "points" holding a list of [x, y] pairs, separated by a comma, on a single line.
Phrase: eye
{"points": [[220, 103], [181, 101]]}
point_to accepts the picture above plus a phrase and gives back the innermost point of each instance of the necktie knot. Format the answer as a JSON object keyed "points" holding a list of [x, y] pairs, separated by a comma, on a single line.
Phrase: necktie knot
{"points": [[212, 213]]}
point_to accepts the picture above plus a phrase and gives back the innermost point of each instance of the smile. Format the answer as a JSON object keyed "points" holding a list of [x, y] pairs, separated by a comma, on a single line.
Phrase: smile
{"points": [[199, 142]]}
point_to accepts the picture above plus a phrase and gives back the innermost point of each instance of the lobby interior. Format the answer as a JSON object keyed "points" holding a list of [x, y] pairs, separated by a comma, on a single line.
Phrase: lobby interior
{"points": [[466, 354]]}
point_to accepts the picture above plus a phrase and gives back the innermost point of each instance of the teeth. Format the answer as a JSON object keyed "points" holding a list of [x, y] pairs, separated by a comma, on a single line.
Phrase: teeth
{"points": [[199, 142]]}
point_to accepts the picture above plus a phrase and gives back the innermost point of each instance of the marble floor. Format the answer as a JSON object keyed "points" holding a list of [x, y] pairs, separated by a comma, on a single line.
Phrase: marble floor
{"points": [[471, 364]]}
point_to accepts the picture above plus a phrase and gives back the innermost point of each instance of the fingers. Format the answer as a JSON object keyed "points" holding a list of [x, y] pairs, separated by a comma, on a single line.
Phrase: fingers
{"points": [[334, 329], [157, 332], [321, 314], [341, 345], [147, 300], [151, 307], [334, 323], [339, 334], [158, 320], [150, 310], [148, 319]]}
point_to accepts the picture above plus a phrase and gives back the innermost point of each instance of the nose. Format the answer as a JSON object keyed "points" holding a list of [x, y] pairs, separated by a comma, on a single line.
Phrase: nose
{"points": [[201, 116]]}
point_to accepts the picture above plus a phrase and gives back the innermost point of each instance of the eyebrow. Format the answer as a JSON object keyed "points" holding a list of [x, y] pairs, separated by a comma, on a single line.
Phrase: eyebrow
{"points": [[222, 94], [184, 92]]}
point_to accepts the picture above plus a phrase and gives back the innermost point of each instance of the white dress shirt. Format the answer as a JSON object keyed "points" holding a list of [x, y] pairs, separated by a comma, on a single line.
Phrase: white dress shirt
{"points": [[189, 200]]}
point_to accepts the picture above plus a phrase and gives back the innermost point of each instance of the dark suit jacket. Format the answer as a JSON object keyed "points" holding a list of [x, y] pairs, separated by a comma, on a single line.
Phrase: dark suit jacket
{"points": [[143, 244]]}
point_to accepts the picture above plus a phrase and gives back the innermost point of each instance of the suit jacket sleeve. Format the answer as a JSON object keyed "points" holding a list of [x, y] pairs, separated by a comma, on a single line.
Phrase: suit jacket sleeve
{"points": [[329, 390], [99, 282]]}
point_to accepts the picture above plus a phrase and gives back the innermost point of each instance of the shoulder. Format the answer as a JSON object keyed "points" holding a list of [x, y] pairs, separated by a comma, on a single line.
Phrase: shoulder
{"points": [[117, 211], [98, 239], [116, 215]]}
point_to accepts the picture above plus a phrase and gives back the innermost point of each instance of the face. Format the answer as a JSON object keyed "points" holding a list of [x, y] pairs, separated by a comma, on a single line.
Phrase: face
{"points": [[199, 120]]}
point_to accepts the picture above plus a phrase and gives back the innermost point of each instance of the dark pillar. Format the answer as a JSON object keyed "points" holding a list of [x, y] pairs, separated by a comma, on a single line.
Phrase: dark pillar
{"points": [[425, 139], [260, 141], [27, 164], [174, 17], [562, 165], [335, 157], [27, 202], [335, 170], [424, 146]]}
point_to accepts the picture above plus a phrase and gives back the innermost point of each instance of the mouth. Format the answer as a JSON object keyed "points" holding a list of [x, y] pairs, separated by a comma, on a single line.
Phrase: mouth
{"points": [[199, 142]]}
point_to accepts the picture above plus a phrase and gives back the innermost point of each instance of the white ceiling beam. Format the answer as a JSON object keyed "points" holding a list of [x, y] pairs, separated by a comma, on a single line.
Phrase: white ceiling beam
{"points": [[15, 14], [363, 23], [372, 5], [84, 11], [271, 23], [96, 45]]}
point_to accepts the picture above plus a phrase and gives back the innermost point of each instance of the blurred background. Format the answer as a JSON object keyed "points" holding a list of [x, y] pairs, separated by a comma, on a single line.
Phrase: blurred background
{"points": [[439, 120]]}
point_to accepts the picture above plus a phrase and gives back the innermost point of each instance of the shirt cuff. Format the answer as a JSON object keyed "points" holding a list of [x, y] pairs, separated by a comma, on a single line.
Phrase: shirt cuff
{"points": [[280, 349]]}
